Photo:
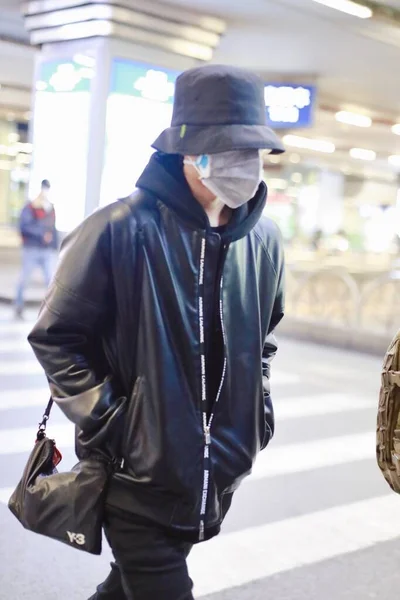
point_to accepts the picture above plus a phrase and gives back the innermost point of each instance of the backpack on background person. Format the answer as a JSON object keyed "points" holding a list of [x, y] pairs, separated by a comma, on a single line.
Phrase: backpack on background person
{"points": [[388, 426]]}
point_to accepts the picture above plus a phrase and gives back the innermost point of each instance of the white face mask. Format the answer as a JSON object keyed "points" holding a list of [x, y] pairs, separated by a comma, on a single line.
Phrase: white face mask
{"points": [[233, 177]]}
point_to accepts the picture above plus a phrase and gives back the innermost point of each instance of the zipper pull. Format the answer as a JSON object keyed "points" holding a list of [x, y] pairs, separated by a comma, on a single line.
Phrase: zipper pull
{"points": [[207, 436]]}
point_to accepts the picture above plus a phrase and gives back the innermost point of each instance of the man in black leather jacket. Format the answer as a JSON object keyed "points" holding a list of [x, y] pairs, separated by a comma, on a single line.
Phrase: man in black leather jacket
{"points": [[169, 299]]}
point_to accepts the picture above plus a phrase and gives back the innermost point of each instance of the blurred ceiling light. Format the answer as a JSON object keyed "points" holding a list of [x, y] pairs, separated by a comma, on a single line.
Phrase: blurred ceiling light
{"points": [[296, 177], [396, 129], [295, 158], [394, 160], [314, 145], [27, 115], [361, 154], [350, 118], [347, 6]]}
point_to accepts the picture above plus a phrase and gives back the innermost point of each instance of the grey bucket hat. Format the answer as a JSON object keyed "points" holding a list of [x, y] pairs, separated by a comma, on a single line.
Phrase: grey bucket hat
{"points": [[217, 109]]}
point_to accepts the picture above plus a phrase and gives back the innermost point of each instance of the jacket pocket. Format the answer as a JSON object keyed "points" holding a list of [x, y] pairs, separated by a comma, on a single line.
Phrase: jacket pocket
{"points": [[132, 417], [97, 414]]}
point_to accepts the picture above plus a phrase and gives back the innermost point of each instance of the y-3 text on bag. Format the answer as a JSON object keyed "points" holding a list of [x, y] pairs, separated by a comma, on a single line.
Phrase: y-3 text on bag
{"points": [[76, 538]]}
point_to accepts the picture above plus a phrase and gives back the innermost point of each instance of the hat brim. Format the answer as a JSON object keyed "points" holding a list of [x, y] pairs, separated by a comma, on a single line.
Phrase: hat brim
{"points": [[196, 139]]}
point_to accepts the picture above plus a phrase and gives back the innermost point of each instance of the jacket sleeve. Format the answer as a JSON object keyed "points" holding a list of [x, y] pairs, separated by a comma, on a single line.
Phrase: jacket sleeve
{"points": [[29, 226], [271, 345], [67, 336]]}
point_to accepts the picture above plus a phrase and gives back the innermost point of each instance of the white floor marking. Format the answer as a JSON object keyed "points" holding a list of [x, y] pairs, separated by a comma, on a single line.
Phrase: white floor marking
{"points": [[20, 368], [309, 406], [13, 441], [291, 408], [5, 494], [16, 345], [244, 556], [11, 399], [283, 378], [18, 329], [290, 458], [316, 454]]}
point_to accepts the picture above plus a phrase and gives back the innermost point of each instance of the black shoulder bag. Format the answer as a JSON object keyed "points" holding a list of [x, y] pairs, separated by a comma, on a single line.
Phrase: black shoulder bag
{"points": [[68, 507]]}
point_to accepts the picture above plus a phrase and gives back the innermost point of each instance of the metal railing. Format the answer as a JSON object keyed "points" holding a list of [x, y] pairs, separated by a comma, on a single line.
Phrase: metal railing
{"points": [[333, 297]]}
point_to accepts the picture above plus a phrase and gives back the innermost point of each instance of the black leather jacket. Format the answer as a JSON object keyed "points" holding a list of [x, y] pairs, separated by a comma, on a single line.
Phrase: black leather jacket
{"points": [[124, 318]]}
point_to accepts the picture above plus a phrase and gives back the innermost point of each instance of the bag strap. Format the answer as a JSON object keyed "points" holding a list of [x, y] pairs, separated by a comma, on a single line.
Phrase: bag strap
{"points": [[43, 423]]}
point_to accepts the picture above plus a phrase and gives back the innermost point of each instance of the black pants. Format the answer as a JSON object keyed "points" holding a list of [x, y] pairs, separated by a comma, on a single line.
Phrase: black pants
{"points": [[149, 563]]}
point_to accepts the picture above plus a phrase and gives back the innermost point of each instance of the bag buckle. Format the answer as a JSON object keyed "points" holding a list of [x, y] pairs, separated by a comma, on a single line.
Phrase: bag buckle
{"points": [[43, 423], [42, 428]]}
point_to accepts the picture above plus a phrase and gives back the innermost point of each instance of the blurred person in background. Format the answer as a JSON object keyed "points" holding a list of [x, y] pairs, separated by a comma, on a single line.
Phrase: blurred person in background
{"points": [[317, 240], [37, 226], [170, 298]]}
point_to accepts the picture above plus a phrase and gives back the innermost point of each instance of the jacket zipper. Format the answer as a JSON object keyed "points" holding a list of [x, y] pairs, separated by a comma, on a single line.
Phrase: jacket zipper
{"points": [[207, 421]]}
